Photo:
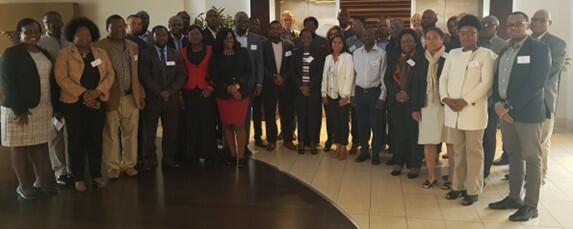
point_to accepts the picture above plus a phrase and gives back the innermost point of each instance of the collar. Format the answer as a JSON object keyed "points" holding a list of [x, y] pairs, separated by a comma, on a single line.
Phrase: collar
{"points": [[158, 49], [542, 35], [347, 28], [517, 44], [245, 35], [212, 31], [374, 48], [175, 38]]}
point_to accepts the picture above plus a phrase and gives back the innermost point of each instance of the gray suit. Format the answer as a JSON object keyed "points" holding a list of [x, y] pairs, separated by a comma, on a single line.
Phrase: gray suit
{"points": [[558, 49], [255, 47]]}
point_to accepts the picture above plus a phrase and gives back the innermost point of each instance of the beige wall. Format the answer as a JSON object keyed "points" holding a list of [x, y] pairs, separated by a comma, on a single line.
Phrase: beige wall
{"points": [[448, 8]]}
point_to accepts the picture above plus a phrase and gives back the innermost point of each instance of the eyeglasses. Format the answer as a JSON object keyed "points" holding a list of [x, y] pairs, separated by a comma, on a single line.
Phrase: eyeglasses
{"points": [[488, 25], [539, 20], [466, 33], [516, 25]]}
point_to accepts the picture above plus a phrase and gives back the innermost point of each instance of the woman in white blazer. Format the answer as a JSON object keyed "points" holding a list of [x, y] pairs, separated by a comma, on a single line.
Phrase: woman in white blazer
{"points": [[464, 87], [337, 88]]}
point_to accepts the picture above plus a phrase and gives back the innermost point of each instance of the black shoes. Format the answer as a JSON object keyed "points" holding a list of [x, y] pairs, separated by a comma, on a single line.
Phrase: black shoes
{"points": [[363, 157], [375, 159], [313, 150], [413, 173], [301, 150], [242, 163], [506, 203], [469, 200], [327, 146], [428, 184], [65, 180], [525, 213], [452, 195], [503, 160], [397, 171]]}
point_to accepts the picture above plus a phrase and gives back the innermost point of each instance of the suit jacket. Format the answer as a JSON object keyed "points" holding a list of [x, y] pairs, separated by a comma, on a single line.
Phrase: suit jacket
{"points": [[255, 49], [270, 68], [420, 82], [157, 77], [136, 89], [316, 70], [20, 80], [208, 37], [558, 49], [70, 67], [171, 42], [525, 95]]}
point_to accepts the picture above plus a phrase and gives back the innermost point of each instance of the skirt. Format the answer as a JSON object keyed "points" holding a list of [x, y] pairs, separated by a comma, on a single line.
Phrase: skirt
{"points": [[233, 112], [432, 129]]}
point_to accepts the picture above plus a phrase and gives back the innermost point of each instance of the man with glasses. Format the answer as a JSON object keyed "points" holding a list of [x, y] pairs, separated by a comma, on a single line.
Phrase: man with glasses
{"points": [[540, 23], [488, 39], [518, 94]]}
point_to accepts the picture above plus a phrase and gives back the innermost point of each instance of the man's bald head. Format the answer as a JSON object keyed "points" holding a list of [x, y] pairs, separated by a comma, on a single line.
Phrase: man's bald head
{"points": [[429, 19], [540, 22], [489, 27]]}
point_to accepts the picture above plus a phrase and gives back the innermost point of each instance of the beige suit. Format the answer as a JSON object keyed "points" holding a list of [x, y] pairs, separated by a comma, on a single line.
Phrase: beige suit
{"points": [[468, 75]]}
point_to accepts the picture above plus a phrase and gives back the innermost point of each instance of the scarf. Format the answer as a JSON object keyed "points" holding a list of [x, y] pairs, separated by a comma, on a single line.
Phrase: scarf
{"points": [[432, 90], [400, 76]]}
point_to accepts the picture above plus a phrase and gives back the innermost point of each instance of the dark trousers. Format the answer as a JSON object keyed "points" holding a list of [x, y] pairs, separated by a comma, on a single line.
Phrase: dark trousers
{"points": [[309, 117], [283, 96], [85, 128], [182, 136], [201, 123], [355, 130], [257, 105], [369, 118], [169, 116], [405, 148], [489, 140], [329, 127], [338, 118]]}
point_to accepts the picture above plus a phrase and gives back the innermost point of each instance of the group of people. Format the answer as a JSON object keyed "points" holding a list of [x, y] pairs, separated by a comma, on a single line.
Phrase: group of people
{"points": [[411, 90]]}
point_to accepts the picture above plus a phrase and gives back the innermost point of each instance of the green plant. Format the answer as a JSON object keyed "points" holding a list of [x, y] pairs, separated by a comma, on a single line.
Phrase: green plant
{"points": [[226, 20]]}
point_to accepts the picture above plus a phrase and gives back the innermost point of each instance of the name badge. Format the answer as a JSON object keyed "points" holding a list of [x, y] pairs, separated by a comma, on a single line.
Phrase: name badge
{"points": [[288, 53], [136, 57], [473, 64], [352, 48], [254, 47], [411, 62], [96, 62], [523, 60], [170, 63], [309, 59]]}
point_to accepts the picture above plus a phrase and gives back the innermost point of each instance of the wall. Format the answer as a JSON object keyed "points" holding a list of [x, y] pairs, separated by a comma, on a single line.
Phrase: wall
{"points": [[447, 8], [325, 12], [562, 18], [231, 6]]}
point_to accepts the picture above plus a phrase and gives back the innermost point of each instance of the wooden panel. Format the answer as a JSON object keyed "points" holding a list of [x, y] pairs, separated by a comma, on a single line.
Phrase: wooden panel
{"points": [[261, 10], [371, 9], [13, 12], [501, 9]]}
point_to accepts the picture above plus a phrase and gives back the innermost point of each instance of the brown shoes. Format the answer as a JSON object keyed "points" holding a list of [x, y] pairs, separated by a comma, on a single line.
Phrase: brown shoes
{"points": [[289, 145]]}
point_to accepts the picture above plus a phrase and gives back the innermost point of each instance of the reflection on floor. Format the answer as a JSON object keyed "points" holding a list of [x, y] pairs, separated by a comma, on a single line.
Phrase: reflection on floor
{"points": [[374, 199]]}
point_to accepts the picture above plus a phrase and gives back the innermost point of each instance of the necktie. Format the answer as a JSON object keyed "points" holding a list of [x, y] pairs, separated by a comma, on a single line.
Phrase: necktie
{"points": [[164, 64]]}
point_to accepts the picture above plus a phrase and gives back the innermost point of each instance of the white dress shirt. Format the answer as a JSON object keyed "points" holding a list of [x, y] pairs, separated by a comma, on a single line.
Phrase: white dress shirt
{"points": [[338, 77], [370, 67]]}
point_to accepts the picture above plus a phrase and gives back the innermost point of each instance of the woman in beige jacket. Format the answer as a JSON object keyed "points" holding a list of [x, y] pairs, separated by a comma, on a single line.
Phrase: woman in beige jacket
{"points": [[464, 87], [85, 75]]}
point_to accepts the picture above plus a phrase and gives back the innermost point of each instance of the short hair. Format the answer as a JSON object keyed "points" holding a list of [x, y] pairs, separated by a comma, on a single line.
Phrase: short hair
{"points": [[306, 30], [337, 28], [436, 30], [182, 12], [522, 14], [111, 18], [193, 27], [132, 16], [452, 18], [157, 27], [172, 18], [53, 13], [239, 14], [76, 23], [470, 20], [344, 48], [275, 22], [25, 22], [310, 19], [287, 12], [414, 35]]}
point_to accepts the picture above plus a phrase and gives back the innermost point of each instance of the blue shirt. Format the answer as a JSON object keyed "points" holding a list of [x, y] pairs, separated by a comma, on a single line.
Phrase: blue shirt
{"points": [[159, 50]]}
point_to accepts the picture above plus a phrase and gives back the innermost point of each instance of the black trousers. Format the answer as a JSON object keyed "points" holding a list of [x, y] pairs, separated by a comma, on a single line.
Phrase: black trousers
{"points": [[201, 121], [405, 148], [284, 97], [355, 130], [257, 105], [169, 116], [85, 127], [489, 140], [370, 119], [329, 127], [338, 118], [309, 117]]}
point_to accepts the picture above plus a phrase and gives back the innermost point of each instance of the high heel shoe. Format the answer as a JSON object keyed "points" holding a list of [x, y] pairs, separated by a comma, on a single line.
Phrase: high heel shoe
{"points": [[25, 196], [428, 184], [343, 153], [80, 186], [99, 183]]}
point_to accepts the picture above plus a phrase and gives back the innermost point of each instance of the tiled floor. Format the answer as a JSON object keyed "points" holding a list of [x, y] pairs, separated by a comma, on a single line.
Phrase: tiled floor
{"points": [[374, 199]]}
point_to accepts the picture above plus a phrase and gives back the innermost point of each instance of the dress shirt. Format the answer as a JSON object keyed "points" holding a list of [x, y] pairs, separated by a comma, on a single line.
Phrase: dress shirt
{"points": [[278, 52], [370, 67], [338, 77], [178, 41], [243, 39], [506, 64]]}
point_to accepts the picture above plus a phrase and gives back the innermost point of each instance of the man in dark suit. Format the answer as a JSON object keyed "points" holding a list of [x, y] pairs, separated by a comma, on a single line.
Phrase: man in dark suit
{"points": [[540, 23], [213, 23], [522, 72], [344, 23], [276, 54], [253, 43], [162, 74], [177, 37]]}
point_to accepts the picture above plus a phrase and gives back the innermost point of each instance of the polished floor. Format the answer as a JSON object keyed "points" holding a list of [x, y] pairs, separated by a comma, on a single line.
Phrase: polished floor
{"points": [[200, 196], [374, 199]]}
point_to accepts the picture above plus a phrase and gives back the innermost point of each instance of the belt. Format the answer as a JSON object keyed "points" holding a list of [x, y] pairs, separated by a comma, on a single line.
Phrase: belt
{"points": [[365, 90]]}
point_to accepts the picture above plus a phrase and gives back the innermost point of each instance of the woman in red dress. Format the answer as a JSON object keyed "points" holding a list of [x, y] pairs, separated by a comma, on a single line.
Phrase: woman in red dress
{"points": [[230, 70]]}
